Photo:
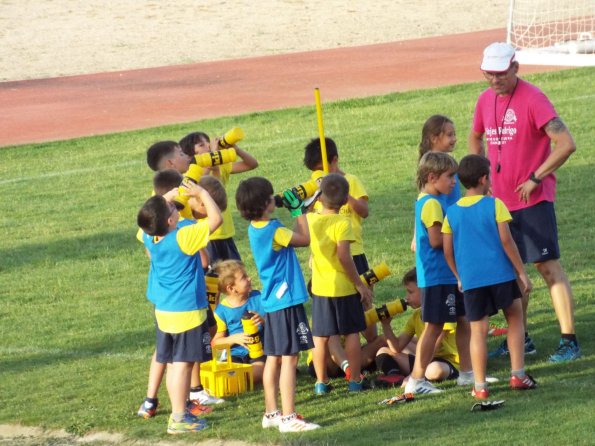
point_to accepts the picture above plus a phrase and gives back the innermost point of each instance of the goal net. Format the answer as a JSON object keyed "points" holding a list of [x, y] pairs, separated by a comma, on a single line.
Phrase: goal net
{"points": [[553, 32]]}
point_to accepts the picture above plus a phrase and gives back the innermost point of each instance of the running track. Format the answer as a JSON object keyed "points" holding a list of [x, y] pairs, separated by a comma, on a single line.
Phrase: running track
{"points": [[73, 106]]}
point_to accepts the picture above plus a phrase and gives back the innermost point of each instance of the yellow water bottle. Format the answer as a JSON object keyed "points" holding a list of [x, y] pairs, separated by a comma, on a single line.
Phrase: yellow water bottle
{"points": [[216, 158], [385, 311], [231, 137], [302, 191], [212, 284], [376, 274], [251, 329]]}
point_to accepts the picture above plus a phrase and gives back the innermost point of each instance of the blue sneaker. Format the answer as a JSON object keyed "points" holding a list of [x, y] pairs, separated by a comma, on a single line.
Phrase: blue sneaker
{"points": [[359, 386], [189, 423], [322, 388], [567, 351], [502, 349]]}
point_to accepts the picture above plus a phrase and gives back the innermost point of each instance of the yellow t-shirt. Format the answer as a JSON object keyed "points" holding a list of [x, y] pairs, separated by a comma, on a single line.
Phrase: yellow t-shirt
{"points": [[282, 235], [431, 212], [448, 346], [190, 239], [502, 212], [227, 229], [357, 191], [329, 279]]}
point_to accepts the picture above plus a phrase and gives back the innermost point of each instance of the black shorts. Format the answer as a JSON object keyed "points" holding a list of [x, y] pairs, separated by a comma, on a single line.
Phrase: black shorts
{"points": [[211, 321], [193, 345], [287, 332], [535, 231], [487, 300], [224, 249], [361, 263], [441, 303], [337, 315]]}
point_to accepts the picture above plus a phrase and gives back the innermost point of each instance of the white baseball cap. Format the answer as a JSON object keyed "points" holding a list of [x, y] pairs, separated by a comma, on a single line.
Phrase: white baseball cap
{"points": [[497, 57]]}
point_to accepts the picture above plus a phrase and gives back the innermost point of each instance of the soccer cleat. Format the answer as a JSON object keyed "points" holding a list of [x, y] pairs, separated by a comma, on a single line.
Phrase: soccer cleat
{"points": [[389, 380], [567, 351], [296, 423], [189, 423], [204, 398], [147, 410], [502, 349], [480, 394], [358, 386], [322, 388], [272, 420], [197, 409], [525, 383], [422, 387], [497, 331]]}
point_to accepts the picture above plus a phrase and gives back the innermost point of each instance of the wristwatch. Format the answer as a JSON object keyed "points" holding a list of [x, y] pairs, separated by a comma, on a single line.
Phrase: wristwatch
{"points": [[534, 178]]}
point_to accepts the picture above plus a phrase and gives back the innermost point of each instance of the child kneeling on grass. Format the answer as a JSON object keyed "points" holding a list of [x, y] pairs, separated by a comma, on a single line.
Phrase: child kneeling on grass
{"points": [[482, 254], [235, 283], [177, 289]]}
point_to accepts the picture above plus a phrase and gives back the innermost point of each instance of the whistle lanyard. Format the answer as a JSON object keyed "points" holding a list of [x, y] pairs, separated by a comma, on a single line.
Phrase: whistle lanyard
{"points": [[500, 128]]}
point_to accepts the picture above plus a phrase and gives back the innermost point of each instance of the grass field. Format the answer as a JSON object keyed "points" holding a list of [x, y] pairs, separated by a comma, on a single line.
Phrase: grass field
{"points": [[76, 331]]}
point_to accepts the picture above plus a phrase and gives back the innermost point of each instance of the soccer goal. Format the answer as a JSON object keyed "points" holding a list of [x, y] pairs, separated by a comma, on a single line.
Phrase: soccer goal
{"points": [[553, 32]]}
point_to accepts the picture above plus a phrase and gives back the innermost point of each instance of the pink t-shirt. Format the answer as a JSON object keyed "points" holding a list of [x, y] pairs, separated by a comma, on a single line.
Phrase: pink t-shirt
{"points": [[523, 141]]}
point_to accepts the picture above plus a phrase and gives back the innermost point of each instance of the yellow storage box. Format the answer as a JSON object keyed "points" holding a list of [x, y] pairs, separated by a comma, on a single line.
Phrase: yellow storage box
{"points": [[225, 378]]}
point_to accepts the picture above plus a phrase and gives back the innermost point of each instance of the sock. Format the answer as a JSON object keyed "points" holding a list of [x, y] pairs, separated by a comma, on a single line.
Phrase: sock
{"points": [[518, 373], [273, 414], [468, 374], [288, 418], [344, 365], [570, 338], [198, 388], [177, 416], [150, 402], [387, 364], [479, 386]]}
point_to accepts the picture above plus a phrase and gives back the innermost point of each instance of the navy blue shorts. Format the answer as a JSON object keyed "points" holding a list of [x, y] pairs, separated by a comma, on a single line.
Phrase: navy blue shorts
{"points": [[224, 249], [361, 263], [337, 315], [189, 346], [487, 300], [287, 332], [246, 359], [441, 303], [535, 231]]}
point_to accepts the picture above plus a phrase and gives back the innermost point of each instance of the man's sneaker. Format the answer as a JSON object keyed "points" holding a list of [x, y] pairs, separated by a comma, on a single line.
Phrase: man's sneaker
{"points": [[272, 420], [359, 386], [480, 394], [422, 387], [322, 388], [525, 383], [296, 423], [203, 397], [147, 409], [197, 409], [502, 349], [567, 351], [187, 424], [469, 380]]}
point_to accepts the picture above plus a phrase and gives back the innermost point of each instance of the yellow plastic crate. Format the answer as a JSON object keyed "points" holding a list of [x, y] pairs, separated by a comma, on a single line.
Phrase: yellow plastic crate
{"points": [[225, 378]]}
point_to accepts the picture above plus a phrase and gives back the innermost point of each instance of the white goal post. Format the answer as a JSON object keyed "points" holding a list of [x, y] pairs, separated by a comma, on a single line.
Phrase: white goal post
{"points": [[553, 32]]}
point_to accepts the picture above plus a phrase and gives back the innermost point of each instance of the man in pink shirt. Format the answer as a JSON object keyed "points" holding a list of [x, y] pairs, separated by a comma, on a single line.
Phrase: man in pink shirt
{"points": [[526, 142]]}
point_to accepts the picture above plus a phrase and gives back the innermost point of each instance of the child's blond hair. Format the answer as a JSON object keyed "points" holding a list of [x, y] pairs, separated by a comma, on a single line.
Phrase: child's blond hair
{"points": [[226, 270], [436, 163]]}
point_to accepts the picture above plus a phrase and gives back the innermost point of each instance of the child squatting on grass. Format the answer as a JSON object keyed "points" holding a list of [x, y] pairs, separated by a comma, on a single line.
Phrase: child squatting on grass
{"points": [[483, 256], [177, 289]]}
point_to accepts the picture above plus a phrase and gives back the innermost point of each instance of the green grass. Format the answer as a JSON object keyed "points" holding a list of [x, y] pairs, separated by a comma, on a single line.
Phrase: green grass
{"points": [[77, 333]]}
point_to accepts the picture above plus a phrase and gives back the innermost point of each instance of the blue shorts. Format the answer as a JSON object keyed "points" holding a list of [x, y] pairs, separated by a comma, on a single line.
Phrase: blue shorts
{"points": [[535, 231], [247, 360], [441, 304], [287, 332], [337, 315], [224, 249], [193, 345], [487, 300]]}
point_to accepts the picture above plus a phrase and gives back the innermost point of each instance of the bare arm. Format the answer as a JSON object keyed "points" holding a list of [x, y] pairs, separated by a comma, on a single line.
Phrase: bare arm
{"points": [[449, 255], [301, 233], [248, 162], [435, 235], [475, 141], [221, 338], [344, 255], [359, 206], [395, 344], [512, 253], [214, 218]]}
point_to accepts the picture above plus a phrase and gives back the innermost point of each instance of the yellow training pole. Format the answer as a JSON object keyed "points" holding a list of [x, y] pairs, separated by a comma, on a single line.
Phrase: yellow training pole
{"points": [[321, 130]]}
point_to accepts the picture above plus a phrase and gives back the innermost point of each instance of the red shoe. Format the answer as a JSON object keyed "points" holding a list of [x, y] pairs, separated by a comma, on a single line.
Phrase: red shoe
{"points": [[525, 383], [480, 394], [197, 409], [497, 331]]}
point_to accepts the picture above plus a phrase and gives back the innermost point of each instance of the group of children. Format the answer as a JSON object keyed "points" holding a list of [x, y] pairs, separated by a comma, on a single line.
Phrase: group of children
{"points": [[466, 269]]}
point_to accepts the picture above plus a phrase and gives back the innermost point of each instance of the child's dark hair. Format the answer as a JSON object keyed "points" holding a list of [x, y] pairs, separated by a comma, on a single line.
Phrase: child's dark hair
{"points": [[188, 142], [215, 189], [313, 155], [158, 152], [335, 191], [471, 169], [436, 163], [226, 270], [434, 126], [166, 180], [253, 197], [153, 216], [409, 277]]}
